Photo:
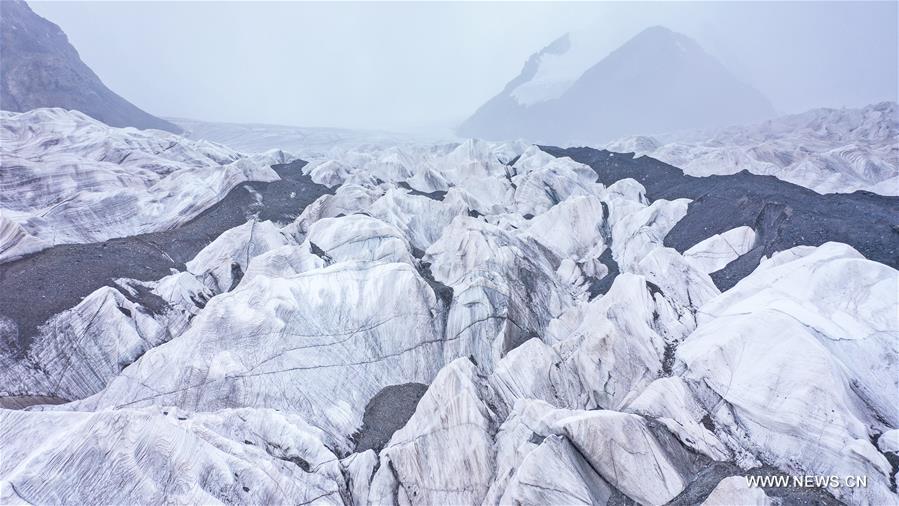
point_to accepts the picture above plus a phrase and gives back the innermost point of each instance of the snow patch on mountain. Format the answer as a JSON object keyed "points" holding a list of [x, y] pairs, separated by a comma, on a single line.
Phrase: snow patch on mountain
{"points": [[548, 73]]}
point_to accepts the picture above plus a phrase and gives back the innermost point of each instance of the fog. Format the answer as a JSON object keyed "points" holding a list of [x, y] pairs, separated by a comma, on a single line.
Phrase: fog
{"points": [[427, 66]]}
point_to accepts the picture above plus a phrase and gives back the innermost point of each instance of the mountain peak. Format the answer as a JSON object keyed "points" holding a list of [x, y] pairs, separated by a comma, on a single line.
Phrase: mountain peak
{"points": [[659, 80], [660, 39], [658, 31]]}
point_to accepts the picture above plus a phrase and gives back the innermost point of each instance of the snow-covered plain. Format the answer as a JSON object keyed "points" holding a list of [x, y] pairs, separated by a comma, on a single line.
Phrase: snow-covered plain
{"points": [[305, 142], [466, 268], [827, 150]]}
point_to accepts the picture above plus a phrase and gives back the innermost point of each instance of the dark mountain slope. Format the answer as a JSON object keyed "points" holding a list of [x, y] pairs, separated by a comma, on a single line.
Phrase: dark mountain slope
{"points": [[40, 68]]}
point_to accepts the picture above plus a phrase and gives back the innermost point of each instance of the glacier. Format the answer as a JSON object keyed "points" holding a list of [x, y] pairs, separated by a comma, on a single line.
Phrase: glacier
{"points": [[69, 178], [452, 323], [827, 150]]}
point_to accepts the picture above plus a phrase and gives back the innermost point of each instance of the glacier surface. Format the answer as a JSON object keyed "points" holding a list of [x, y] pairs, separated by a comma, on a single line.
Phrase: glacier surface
{"points": [[474, 323], [827, 150]]}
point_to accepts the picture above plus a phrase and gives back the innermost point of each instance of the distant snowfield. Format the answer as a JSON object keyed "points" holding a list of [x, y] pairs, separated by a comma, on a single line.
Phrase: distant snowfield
{"points": [[305, 142], [827, 150]]}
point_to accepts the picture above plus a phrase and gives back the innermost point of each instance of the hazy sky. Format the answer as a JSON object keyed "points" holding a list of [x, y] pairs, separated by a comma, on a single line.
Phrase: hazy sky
{"points": [[403, 66]]}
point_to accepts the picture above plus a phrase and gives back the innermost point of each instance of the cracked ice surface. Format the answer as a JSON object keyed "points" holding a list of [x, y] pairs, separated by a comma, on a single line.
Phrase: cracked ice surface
{"points": [[466, 268], [68, 178]]}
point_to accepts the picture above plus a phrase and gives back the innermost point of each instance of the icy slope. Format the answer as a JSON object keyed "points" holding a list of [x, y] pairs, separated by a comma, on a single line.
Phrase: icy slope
{"points": [[232, 456], [471, 324], [66, 178], [827, 150]]}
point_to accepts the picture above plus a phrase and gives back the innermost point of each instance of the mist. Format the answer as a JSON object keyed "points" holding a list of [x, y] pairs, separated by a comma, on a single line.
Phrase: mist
{"points": [[427, 66]]}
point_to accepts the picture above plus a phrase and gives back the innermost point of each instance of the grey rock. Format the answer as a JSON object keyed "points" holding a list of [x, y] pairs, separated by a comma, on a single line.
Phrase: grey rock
{"points": [[40, 68]]}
